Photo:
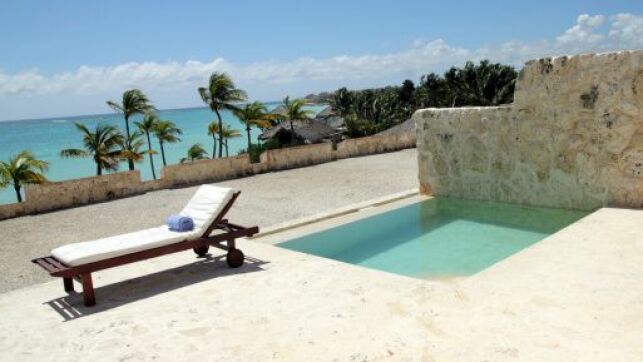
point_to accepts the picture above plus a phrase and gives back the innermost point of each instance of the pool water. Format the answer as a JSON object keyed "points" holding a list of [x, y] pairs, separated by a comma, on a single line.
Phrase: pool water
{"points": [[439, 237]]}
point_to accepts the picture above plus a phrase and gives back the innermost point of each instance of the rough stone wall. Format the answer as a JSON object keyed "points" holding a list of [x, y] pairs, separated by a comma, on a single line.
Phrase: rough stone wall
{"points": [[89, 190], [573, 138], [300, 156], [374, 144], [13, 210], [210, 170]]}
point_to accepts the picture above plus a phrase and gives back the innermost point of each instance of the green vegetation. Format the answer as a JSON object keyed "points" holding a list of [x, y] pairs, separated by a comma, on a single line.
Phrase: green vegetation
{"points": [[254, 115], [221, 94], [102, 145], [294, 111], [196, 152], [226, 133], [213, 130], [371, 111], [130, 148], [134, 102], [22, 169], [255, 150], [166, 132]]}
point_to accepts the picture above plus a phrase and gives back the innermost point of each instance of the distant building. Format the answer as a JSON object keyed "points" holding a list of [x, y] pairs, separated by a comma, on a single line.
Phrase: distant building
{"points": [[331, 119], [308, 131], [407, 126]]}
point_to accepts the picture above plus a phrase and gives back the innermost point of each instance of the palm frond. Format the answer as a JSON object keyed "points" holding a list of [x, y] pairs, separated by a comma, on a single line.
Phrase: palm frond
{"points": [[73, 153]]}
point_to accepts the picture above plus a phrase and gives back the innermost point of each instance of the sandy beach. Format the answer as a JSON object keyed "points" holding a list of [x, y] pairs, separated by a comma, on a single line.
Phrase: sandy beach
{"points": [[266, 199]]}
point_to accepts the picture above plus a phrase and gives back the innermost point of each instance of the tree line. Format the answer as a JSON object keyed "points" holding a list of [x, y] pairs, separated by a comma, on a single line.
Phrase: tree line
{"points": [[370, 111]]}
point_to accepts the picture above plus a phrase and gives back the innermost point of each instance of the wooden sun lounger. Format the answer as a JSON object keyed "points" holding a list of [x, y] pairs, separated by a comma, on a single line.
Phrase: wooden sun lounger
{"points": [[219, 231]]}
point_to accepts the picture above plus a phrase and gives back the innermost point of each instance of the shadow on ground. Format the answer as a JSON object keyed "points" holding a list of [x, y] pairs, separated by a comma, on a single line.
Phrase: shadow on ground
{"points": [[71, 306]]}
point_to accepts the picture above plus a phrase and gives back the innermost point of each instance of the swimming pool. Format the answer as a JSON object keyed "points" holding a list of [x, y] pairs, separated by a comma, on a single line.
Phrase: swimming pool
{"points": [[438, 237]]}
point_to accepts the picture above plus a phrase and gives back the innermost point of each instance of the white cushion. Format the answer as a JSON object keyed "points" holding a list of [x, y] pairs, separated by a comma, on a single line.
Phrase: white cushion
{"points": [[203, 208], [113, 246], [206, 204]]}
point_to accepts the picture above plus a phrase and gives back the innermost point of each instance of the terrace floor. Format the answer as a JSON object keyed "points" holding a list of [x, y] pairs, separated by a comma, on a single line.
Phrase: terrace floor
{"points": [[576, 295]]}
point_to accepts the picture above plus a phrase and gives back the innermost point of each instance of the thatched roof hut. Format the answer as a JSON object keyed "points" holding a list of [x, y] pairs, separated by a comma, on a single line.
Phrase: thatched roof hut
{"points": [[309, 131]]}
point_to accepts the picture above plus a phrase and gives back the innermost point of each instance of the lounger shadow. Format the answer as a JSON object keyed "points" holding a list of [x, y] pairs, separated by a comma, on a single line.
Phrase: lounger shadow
{"points": [[72, 307]]}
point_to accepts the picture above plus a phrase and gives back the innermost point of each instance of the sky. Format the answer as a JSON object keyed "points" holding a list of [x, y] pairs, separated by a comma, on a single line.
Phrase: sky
{"points": [[63, 58]]}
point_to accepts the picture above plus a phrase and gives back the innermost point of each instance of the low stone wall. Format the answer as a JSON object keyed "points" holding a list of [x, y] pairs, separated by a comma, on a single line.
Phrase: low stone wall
{"points": [[374, 144], [300, 156], [204, 171], [13, 210], [58, 195], [89, 190], [573, 138]]}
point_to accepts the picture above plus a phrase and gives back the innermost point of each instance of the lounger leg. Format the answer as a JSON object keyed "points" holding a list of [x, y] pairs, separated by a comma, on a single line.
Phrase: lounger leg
{"points": [[69, 284], [88, 290]]}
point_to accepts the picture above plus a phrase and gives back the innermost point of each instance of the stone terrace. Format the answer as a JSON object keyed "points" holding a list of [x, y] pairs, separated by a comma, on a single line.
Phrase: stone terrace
{"points": [[576, 295]]}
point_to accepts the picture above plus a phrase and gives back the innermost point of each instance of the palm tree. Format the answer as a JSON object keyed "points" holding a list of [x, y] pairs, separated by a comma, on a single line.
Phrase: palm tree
{"points": [[166, 131], [221, 94], [130, 148], [101, 144], [254, 114], [213, 130], [196, 152], [134, 102], [295, 111], [227, 133], [22, 169], [148, 126]]}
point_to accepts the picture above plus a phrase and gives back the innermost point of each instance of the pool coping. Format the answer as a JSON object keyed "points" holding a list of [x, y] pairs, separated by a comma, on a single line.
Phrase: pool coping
{"points": [[381, 204]]}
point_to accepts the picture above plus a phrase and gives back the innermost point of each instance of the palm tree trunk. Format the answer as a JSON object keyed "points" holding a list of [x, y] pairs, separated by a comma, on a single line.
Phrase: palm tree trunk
{"points": [[292, 133], [99, 170], [149, 148], [130, 163], [162, 153], [18, 194], [226, 149], [220, 133], [249, 141], [214, 147]]}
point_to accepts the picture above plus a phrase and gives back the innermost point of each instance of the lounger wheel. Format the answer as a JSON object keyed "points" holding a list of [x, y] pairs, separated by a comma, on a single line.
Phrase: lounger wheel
{"points": [[234, 258], [201, 250]]}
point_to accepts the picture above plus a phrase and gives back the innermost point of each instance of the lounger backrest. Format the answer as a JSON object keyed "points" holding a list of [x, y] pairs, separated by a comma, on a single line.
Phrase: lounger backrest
{"points": [[206, 204]]}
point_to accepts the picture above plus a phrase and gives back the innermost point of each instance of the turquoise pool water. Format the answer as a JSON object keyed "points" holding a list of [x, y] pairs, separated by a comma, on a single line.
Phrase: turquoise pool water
{"points": [[440, 237]]}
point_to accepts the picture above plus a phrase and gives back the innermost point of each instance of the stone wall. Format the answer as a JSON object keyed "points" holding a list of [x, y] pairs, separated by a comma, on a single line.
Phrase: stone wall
{"points": [[204, 171], [573, 138], [58, 195], [283, 158], [374, 144]]}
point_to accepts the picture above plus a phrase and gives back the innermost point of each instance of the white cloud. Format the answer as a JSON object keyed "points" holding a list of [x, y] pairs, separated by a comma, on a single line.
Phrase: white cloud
{"points": [[590, 33], [584, 31]]}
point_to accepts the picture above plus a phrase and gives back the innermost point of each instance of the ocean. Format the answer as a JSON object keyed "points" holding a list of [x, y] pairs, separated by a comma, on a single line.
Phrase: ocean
{"points": [[46, 137]]}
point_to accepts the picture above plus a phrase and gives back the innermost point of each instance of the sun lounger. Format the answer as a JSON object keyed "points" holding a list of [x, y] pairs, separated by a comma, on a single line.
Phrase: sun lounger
{"points": [[207, 208]]}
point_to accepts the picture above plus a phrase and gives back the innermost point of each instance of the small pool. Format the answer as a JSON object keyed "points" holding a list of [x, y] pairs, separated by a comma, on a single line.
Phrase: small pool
{"points": [[438, 237]]}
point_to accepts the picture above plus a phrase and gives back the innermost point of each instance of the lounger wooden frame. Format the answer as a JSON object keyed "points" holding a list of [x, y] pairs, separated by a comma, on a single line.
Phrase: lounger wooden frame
{"points": [[218, 232]]}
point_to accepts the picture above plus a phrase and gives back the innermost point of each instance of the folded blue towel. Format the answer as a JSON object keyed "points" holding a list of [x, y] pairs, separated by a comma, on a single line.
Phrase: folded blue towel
{"points": [[180, 223]]}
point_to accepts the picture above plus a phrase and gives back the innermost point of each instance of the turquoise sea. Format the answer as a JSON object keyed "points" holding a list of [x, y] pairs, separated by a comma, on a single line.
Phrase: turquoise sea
{"points": [[46, 137]]}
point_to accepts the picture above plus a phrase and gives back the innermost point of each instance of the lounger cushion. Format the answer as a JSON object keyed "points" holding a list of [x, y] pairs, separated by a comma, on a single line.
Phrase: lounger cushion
{"points": [[206, 204], [92, 251], [203, 208]]}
